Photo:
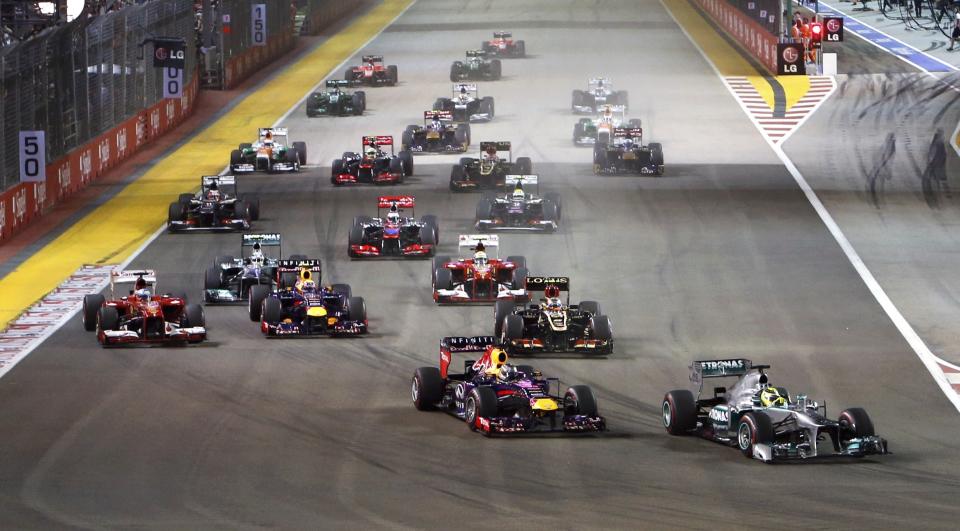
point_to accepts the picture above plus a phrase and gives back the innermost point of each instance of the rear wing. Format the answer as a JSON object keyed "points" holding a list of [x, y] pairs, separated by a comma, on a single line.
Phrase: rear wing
{"points": [[476, 53], [470, 88], [335, 83], [288, 266], [273, 131], [624, 132], [596, 81], [523, 180], [490, 243], [132, 276], [401, 201], [502, 35], [265, 240], [380, 140], [207, 180], [445, 116], [499, 145], [541, 283], [449, 345], [372, 59]]}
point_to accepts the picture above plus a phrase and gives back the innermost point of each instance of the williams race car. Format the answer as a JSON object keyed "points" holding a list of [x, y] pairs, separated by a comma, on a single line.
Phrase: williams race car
{"points": [[374, 165], [488, 172], [519, 210], [142, 317], [437, 135], [599, 93], [762, 420], [217, 206], [627, 154], [335, 102], [466, 105], [270, 153], [299, 306], [393, 235], [372, 72], [503, 45], [599, 130], [494, 396], [476, 278], [552, 325], [475, 68], [230, 279]]}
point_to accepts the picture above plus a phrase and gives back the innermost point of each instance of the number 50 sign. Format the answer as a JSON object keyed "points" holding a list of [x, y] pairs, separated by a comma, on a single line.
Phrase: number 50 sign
{"points": [[33, 166]]}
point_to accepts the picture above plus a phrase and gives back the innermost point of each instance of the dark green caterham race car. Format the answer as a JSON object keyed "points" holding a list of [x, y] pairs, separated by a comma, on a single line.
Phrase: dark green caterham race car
{"points": [[335, 101]]}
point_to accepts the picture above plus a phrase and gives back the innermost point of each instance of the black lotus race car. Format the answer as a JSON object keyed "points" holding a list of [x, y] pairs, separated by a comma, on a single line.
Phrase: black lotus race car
{"points": [[519, 210], [466, 105], [552, 325], [495, 397], [437, 135], [489, 171], [230, 279], [475, 68], [373, 165], [503, 45], [217, 206], [335, 102], [372, 72], [300, 306], [393, 235], [627, 154], [762, 420]]}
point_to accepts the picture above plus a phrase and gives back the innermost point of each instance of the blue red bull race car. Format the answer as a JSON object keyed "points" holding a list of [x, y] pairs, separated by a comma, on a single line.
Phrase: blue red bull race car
{"points": [[495, 397]]}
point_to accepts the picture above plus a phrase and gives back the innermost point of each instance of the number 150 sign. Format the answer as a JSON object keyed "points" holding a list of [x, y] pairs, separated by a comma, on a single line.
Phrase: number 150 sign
{"points": [[33, 166]]}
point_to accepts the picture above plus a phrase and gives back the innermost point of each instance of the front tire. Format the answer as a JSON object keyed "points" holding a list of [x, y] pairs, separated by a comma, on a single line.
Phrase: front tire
{"points": [[754, 428], [91, 307], [579, 400], [481, 402], [258, 293]]}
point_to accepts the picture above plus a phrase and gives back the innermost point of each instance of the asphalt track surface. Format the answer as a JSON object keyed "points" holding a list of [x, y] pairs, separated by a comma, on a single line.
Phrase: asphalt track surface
{"points": [[721, 257]]}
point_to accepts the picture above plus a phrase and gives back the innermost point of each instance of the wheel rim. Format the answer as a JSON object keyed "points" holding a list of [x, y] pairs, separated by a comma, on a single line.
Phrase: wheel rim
{"points": [[667, 414], [744, 436], [471, 411], [415, 390]]}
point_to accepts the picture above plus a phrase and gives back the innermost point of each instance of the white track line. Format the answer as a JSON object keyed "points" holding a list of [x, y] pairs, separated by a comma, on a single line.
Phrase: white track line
{"points": [[929, 360]]}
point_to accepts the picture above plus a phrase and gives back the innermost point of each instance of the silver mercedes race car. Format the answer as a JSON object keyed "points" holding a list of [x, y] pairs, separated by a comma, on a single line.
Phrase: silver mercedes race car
{"points": [[762, 420], [599, 93]]}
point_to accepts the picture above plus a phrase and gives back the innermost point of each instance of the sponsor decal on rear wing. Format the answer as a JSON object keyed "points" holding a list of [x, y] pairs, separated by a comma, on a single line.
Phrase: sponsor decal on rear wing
{"points": [[333, 83], [632, 132], [401, 201], [379, 140], [372, 59], [490, 242], [285, 266], [206, 180], [598, 81], [720, 368], [541, 283], [510, 180], [502, 35], [467, 344], [132, 275], [499, 145], [476, 53], [249, 240], [464, 87], [273, 130], [440, 115]]}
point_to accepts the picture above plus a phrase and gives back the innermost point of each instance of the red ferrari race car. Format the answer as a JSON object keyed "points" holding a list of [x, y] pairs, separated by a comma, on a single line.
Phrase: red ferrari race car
{"points": [[393, 235], [374, 165], [372, 72], [476, 278], [141, 316], [503, 45]]}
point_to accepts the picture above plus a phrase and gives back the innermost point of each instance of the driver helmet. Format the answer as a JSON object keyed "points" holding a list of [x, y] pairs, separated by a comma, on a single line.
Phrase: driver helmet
{"points": [[370, 150], [507, 373], [143, 294], [518, 193], [480, 258], [393, 217], [770, 397], [257, 258], [213, 194]]}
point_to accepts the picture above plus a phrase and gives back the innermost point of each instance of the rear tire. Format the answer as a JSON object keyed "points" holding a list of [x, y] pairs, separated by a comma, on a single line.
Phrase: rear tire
{"points": [[518, 261], [524, 165], [342, 289], [579, 400], [91, 307], [519, 280], [679, 412], [512, 328], [427, 388], [501, 310]]}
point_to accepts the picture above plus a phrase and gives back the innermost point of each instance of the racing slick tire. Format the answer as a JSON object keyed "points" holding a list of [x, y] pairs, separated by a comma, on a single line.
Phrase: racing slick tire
{"points": [[442, 279], [464, 161], [107, 318], [301, 149], [501, 310], [193, 316], [754, 428], [253, 202], [456, 71], [406, 157], [512, 328], [518, 261], [258, 293], [554, 198], [348, 74], [396, 166], [855, 423], [242, 210], [486, 106], [462, 136], [185, 198], [481, 402], [524, 165], [431, 220], [426, 388], [495, 69], [428, 235], [342, 289], [456, 175], [438, 263], [336, 169], [550, 211], [91, 306], [222, 259], [211, 279], [519, 280], [272, 312], [577, 132], [392, 75], [356, 238], [245, 145], [603, 330], [406, 139], [591, 307], [576, 100], [292, 157], [521, 49], [579, 400], [175, 213], [356, 309], [599, 159], [679, 412], [603, 137], [656, 156], [484, 208], [357, 103]]}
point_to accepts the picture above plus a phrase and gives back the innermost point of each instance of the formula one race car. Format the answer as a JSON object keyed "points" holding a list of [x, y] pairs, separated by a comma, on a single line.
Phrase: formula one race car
{"points": [[142, 316], [437, 135], [490, 170], [466, 105], [494, 396], [270, 153], [217, 206], [503, 45], [552, 325], [372, 72], [374, 165], [299, 306], [599, 93], [335, 102], [519, 210], [599, 130], [762, 420], [393, 235], [627, 154], [476, 278], [475, 68], [230, 279]]}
